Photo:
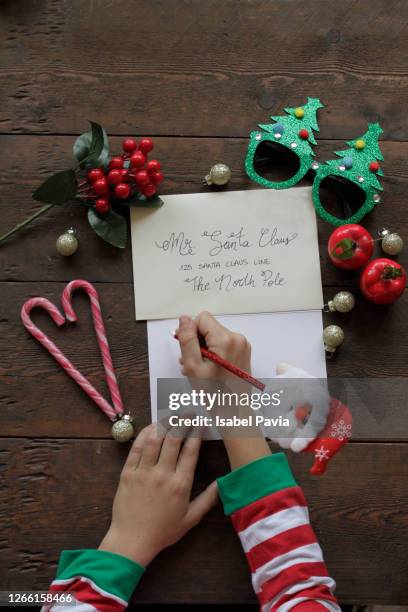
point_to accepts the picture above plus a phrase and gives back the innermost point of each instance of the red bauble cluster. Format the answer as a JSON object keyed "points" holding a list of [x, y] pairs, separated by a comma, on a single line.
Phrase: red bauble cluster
{"points": [[118, 182], [382, 280]]}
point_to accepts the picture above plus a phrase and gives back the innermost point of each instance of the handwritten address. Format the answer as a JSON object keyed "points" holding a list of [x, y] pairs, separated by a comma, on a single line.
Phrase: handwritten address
{"points": [[229, 274]]}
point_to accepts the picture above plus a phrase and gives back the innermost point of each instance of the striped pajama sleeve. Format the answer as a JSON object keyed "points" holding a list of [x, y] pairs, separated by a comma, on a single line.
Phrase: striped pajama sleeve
{"points": [[270, 515], [97, 580]]}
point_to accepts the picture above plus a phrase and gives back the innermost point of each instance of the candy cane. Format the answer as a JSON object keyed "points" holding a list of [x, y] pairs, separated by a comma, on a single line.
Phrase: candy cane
{"points": [[66, 300], [58, 355]]}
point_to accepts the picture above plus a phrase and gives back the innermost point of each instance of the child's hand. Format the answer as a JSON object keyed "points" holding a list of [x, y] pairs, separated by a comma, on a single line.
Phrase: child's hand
{"points": [[225, 343], [152, 507]]}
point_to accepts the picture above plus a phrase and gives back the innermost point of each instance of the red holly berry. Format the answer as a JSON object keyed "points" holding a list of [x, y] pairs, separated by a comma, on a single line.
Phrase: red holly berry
{"points": [[146, 145], [156, 177], [304, 134], [138, 160], [115, 176], [102, 205], [101, 186], [124, 174], [129, 145], [116, 162], [142, 178], [374, 166], [122, 191], [95, 174], [148, 190], [153, 165]]}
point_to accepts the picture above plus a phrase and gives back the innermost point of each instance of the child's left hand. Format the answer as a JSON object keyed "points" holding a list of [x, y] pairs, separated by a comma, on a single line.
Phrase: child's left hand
{"points": [[152, 507]]}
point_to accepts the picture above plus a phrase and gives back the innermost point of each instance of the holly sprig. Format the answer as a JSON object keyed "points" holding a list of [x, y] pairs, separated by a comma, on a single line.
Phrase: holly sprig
{"points": [[102, 184]]}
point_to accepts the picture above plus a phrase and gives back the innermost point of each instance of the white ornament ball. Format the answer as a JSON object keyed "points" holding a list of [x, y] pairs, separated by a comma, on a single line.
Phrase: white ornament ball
{"points": [[219, 174], [67, 244], [122, 429], [392, 244], [342, 302], [333, 336]]}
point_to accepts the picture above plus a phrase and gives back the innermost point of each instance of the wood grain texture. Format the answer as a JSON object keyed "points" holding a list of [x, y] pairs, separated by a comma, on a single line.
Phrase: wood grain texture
{"points": [[57, 494], [198, 76], [39, 399], [201, 68], [31, 255]]}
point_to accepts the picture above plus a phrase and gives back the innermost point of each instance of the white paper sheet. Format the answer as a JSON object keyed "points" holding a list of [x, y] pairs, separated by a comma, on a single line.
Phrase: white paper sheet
{"points": [[230, 252], [292, 337]]}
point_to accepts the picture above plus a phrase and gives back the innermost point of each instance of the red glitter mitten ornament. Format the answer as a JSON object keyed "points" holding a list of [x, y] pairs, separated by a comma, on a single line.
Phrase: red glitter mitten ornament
{"points": [[332, 438]]}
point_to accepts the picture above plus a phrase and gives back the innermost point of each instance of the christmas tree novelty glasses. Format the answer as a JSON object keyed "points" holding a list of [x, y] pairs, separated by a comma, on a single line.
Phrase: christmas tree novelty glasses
{"points": [[287, 145]]}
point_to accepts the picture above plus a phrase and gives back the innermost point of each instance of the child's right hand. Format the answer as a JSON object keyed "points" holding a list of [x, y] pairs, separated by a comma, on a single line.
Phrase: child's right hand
{"points": [[225, 343]]}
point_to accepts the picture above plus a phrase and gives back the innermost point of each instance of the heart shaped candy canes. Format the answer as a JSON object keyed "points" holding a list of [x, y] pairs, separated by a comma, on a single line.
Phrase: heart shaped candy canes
{"points": [[122, 429]]}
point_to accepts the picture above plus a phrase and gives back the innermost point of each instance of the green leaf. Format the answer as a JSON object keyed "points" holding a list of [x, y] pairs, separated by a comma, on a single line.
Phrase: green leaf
{"points": [[111, 228], [347, 247], [84, 150], [141, 200], [57, 189], [97, 142]]}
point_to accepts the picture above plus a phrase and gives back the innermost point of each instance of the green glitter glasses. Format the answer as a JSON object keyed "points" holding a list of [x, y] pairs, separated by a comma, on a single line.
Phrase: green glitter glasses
{"points": [[288, 143]]}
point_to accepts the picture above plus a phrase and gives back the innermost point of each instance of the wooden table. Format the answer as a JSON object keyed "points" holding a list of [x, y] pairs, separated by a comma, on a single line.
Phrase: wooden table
{"points": [[197, 76]]}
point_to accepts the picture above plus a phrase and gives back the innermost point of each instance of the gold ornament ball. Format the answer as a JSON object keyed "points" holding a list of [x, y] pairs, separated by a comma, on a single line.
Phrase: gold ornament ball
{"points": [[299, 112], [392, 244], [219, 174], [67, 244], [122, 429], [342, 302], [333, 336]]}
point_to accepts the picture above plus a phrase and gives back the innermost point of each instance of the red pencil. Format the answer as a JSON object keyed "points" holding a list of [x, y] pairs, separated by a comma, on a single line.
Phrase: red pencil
{"points": [[230, 367]]}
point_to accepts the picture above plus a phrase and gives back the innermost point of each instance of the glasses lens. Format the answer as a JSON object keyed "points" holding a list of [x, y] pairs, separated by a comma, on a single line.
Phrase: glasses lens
{"points": [[340, 197], [275, 162]]}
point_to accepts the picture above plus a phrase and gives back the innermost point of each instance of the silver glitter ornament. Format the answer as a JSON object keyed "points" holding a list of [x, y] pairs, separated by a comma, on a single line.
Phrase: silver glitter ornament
{"points": [[122, 429], [219, 174], [342, 302], [333, 336], [67, 244], [392, 243]]}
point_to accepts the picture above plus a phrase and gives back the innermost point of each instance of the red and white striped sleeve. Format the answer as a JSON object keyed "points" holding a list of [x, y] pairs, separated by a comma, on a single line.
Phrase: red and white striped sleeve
{"points": [[270, 515], [93, 581]]}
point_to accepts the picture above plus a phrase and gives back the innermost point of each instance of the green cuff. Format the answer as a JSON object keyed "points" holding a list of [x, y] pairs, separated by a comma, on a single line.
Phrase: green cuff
{"points": [[112, 573], [255, 480]]}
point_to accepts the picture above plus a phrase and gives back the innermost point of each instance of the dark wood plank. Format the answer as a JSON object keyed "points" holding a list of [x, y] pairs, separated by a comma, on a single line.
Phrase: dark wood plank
{"points": [[57, 494], [31, 255], [211, 68], [39, 399]]}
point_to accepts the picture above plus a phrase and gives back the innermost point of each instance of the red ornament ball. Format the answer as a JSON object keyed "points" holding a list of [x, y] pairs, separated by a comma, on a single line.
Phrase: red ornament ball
{"points": [[95, 174], [102, 205], [122, 191], [153, 165], [146, 145], [156, 177], [350, 246], [138, 160], [129, 145], [303, 134], [383, 281], [142, 178], [116, 162], [101, 186], [374, 166], [148, 190], [115, 176]]}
